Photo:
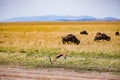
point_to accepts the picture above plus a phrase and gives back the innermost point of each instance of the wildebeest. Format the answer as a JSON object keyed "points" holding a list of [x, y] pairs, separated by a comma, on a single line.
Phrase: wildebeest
{"points": [[117, 33], [101, 36], [84, 32], [70, 38]]}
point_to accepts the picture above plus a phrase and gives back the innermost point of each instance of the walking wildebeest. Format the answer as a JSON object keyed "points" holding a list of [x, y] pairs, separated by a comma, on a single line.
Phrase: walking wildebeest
{"points": [[84, 32], [117, 33], [70, 38], [101, 36]]}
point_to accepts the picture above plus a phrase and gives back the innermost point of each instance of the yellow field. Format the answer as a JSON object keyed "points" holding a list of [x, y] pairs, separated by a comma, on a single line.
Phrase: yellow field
{"points": [[20, 37], [37, 35]]}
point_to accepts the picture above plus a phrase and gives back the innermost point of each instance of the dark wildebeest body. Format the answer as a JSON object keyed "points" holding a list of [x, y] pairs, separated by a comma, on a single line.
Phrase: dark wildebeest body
{"points": [[84, 32], [117, 33], [70, 38], [98, 36], [102, 36]]}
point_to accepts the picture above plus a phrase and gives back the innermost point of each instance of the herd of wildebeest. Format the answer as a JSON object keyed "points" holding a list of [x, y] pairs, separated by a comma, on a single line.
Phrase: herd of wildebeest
{"points": [[70, 38]]}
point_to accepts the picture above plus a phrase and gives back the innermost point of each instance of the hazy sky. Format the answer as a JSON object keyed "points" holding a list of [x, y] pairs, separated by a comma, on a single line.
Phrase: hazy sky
{"points": [[95, 8]]}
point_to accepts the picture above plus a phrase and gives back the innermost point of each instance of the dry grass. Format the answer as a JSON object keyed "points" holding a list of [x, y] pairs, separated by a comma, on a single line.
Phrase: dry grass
{"points": [[44, 39]]}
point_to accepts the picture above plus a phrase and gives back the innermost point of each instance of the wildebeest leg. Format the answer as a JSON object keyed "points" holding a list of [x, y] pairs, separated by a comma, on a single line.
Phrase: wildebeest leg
{"points": [[63, 42], [68, 42]]}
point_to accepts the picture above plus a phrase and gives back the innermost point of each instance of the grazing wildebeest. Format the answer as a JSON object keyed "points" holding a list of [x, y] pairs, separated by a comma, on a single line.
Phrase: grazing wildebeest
{"points": [[84, 32], [101, 36], [117, 33], [70, 38]]}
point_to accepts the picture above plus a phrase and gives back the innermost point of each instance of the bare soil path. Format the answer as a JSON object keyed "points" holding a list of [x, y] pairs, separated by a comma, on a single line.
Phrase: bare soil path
{"points": [[11, 73]]}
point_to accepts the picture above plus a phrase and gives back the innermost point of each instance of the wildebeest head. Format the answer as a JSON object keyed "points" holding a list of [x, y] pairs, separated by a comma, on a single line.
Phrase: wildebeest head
{"points": [[76, 41], [70, 38]]}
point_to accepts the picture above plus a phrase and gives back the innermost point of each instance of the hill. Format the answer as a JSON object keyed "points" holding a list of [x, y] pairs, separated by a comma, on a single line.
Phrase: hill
{"points": [[58, 18]]}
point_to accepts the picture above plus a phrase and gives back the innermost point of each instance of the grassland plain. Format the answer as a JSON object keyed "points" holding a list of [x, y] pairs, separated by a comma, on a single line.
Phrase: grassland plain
{"points": [[31, 44]]}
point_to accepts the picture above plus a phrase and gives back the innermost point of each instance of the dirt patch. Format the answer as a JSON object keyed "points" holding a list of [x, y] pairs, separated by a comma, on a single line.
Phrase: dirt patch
{"points": [[10, 73]]}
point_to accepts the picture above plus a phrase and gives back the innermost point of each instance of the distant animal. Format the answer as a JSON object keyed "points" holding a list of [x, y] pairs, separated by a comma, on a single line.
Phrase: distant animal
{"points": [[70, 38], [101, 36], [57, 57], [117, 33], [84, 32]]}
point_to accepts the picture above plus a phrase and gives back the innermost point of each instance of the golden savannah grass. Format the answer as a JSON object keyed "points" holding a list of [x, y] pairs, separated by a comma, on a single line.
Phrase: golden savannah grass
{"points": [[32, 43]]}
